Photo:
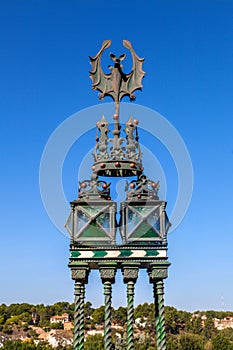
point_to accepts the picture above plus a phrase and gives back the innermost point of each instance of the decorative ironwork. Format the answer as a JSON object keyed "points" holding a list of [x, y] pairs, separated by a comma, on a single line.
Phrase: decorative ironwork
{"points": [[117, 156], [133, 147], [142, 188], [94, 189], [143, 223], [116, 84], [93, 222], [101, 149]]}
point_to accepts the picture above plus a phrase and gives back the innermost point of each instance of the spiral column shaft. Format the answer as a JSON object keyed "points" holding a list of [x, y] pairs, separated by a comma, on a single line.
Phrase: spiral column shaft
{"points": [[81, 319], [80, 276], [77, 301], [130, 315], [107, 273], [107, 317], [159, 314]]}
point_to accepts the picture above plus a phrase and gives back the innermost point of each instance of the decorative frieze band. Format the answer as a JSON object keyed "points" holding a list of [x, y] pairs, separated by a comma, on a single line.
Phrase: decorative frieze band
{"points": [[119, 253]]}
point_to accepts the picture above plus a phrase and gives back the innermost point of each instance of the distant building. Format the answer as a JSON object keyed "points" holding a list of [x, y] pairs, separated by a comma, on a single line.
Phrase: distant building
{"points": [[202, 317], [139, 323], [226, 322], [67, 326], [60, 319]]}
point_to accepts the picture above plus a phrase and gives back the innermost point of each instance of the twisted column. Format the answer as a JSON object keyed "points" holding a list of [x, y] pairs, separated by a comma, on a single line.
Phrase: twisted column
{"points": [[159, 315], [157, 273], [77, 301], [80, 276], [107, 274], [81, 319], [130, 274], [130, 315], [107, 317]]}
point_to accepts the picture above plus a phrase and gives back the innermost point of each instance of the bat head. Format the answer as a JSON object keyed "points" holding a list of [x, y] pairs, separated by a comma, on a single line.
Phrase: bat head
{"points": [[117, 60]]}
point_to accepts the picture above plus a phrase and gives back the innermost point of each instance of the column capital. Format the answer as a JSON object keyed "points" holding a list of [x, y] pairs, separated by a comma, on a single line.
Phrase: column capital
{"points": [[130, 272], [158, 271], [80, 273], [108, 272]]}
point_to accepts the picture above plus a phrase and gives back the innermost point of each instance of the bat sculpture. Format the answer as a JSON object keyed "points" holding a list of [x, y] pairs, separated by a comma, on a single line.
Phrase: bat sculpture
{"points": [[116, 84]]}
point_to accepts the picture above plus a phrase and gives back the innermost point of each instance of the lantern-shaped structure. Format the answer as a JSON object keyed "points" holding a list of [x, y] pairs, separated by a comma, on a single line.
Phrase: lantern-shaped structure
{"points": [[143, 223], [143, 215], [93, 216]]}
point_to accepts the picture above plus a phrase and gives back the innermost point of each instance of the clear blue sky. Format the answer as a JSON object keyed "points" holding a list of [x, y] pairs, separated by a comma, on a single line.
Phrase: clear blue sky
{"points": [[188, 46]]}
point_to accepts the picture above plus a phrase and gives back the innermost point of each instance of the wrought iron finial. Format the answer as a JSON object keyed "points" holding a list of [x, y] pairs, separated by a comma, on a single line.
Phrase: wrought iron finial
{"points": [[142, 188], [94, 189], [117, 84]]}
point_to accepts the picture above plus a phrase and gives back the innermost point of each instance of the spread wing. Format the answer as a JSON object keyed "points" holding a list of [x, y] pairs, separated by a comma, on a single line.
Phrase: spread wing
{"points": [[100, 80], [133, 80]]}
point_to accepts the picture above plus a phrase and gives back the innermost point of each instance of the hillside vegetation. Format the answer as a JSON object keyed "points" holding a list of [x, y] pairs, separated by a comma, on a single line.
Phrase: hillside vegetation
{"points": [[21, 324]]}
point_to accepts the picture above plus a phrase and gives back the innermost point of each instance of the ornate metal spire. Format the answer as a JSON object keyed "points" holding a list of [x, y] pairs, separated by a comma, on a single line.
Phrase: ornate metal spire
{"points": [[116, 84], [117, 156], [95, 219]]}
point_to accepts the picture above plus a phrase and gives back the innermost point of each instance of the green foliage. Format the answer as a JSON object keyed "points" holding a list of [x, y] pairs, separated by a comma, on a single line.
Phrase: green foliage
{"points": [[145, 344], [186, 341], [195, 325], [171, 320], [98, 315], [26, 345], [146, 313], [209, 330], [119, 316], [57, 325], [173, 343], [94, 342], [220, 342], [191, 342], [228, 333], [88, 310], [184, 331]]}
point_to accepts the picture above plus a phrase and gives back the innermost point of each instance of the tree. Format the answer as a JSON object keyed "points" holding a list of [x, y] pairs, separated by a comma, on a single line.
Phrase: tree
{"points": [[171, 319], [88, 310], [94, 342], [119, 316], [98, 315], [228, 333], [195, 325], [173, 343], [220, 342], [191, 342], [209, 329]]}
